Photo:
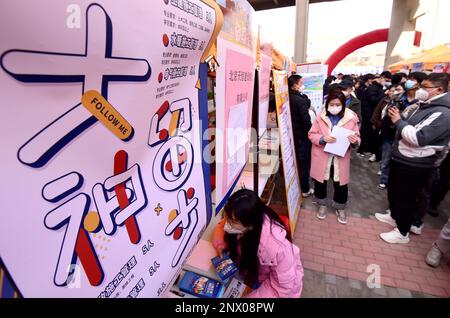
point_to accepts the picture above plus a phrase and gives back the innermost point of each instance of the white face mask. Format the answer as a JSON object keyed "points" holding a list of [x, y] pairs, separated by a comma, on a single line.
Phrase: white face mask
{"points": [[231, 230], [397, 94], [422, 95], [334, 110], [301, 88]]}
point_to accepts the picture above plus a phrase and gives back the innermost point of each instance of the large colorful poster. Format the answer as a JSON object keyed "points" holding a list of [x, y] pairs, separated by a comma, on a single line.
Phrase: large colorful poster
{"points": [[314, 89], [103, 191], [236, 50], [292, 183]]}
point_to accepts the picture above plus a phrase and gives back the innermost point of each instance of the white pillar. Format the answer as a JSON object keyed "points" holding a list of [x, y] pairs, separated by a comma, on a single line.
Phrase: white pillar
{"points": [[401, 32], [301, 30], [436, 23]]}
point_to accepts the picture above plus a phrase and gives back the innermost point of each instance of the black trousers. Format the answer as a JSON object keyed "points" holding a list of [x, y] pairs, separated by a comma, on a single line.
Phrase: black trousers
{"points": [[440, 186], [304, 163], [408, 194], [366, 131], [377, 143], [340, 196]]}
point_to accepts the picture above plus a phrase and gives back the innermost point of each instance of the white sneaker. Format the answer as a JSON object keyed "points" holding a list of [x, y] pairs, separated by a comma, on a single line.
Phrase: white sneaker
{"points": [[379, 173], [416, 229], [322, 212], [341, 216], [382, 186], [373, 158], [307, 194], [434, 256], [386, 218], [394, 237], [360, 155]]}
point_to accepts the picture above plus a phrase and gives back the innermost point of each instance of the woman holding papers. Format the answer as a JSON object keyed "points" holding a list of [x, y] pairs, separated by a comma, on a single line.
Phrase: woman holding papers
{"points": [[335, 128]]}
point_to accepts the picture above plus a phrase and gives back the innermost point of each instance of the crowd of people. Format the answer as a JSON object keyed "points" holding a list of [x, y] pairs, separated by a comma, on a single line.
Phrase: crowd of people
{"points": [[402, 122]]}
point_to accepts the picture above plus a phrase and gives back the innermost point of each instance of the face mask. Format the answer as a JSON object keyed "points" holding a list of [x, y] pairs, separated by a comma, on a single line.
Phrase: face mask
{"points": [[334, 110], [231, 230], [346, 94], [301, 88], [409, 84], [422, 95], [397, 95]]}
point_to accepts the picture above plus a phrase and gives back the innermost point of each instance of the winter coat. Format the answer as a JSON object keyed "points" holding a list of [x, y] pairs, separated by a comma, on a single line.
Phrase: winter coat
{"points": [[320, 158], [377, 117], [355, 105], [301, 120], [371, 97], [423, 133]]}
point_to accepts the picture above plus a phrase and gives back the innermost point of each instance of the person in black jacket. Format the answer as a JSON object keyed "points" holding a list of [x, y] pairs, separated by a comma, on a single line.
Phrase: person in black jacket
{"points": [[366, 81], [301, 124], [351, 102], [326, 85], [369, 136]]}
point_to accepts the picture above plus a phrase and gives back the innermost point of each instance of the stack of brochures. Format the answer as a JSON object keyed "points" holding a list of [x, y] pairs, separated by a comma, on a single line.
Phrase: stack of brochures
{"points": [[201, 286]]}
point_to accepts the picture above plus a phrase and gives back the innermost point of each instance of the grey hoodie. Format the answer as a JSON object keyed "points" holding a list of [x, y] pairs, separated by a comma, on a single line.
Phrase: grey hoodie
{"points": [[423, 134]]}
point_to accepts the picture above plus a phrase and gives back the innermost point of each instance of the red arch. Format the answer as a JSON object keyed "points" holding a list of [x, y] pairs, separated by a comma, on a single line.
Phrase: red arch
{"points": [[380, 35]]}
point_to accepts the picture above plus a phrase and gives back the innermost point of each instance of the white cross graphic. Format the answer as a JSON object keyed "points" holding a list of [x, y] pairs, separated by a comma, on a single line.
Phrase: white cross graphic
{"points": [[94, 69]]}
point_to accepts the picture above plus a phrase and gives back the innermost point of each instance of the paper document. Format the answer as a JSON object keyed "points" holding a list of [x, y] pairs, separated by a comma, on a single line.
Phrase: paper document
{"points": [[201, 255], [339, 148]]}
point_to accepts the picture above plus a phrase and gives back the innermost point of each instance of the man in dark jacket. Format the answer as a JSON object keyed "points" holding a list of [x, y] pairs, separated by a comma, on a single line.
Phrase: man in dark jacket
{"points": [[301, 124], [369, 136], [366, 81], [420, 147]]}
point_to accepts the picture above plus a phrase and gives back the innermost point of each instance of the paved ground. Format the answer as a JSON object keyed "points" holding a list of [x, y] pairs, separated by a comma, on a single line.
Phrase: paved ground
{"points": [[336, 257], [355, 250], [322, 285]]}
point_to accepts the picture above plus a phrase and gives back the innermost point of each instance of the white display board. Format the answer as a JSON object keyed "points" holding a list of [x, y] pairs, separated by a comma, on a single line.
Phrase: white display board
{"points": [[265, 66], [234, 101], [103, 191], [288, 156]]}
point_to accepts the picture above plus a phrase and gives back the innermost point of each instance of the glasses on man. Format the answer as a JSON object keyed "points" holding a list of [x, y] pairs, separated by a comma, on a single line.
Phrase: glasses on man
{"points": [[428, 87]]}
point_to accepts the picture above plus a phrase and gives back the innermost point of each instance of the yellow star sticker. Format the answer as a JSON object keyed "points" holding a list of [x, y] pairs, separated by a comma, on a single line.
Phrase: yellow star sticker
{"points": [[158, 209]]}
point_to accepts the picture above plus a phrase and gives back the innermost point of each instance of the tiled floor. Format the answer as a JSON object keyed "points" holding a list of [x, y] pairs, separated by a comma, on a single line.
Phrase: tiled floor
{"points": [[354, 250], [321, 285]]}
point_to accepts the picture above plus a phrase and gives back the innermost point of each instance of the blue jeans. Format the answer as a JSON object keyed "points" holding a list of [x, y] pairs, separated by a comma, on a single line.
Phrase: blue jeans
{"points": [[386, 154]]}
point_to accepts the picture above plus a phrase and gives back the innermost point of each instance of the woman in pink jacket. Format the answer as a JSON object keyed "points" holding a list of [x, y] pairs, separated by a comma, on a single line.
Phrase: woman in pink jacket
{"points": [[257, 241], [326, 166]]}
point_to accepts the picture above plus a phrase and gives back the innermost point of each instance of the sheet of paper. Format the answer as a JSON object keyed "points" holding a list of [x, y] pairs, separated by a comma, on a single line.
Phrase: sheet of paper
{"points": [[237, 132], [340, 147], [201, 255], [237, 139]]}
